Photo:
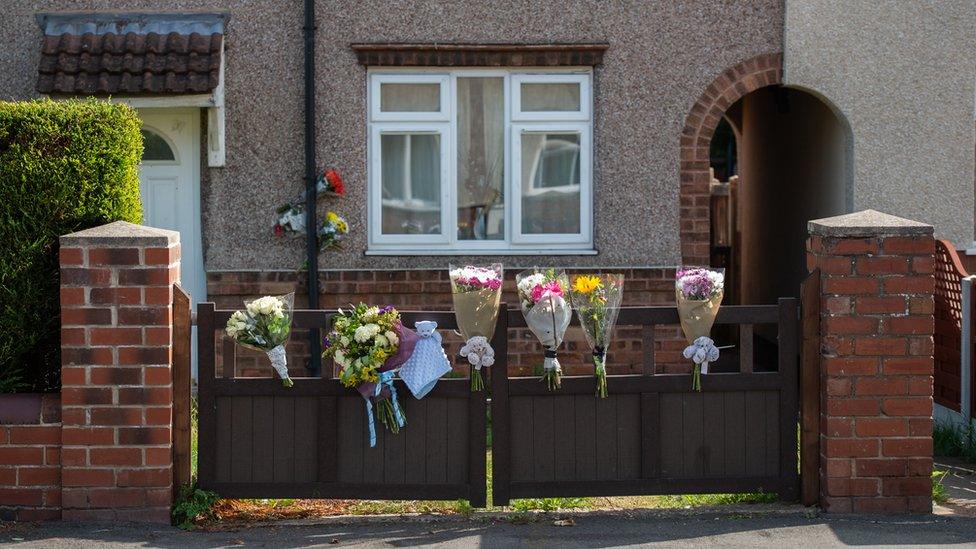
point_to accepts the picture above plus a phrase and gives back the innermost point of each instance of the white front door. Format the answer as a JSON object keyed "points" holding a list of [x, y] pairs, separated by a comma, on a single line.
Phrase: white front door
{"points": [[169, 181]]}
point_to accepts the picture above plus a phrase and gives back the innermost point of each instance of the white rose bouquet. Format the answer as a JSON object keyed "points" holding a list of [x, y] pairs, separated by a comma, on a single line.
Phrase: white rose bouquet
{"points": [[265, 325], [542, 296]]}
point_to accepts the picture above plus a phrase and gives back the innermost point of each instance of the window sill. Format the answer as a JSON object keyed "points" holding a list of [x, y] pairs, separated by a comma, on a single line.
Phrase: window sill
{"points": [[470, 252]]}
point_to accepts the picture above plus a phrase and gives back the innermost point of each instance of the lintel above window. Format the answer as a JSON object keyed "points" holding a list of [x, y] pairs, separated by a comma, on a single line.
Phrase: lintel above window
{"points": [[477, 161], [480, 55]]}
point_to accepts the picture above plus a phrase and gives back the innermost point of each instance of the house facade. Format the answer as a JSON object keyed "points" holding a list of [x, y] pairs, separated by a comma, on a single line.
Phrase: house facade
{"points": [[569, 133]]}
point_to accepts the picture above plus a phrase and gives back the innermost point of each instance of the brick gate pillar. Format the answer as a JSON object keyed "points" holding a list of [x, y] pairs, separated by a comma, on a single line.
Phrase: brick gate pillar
{"points": [[876, 364], [117, 393]]}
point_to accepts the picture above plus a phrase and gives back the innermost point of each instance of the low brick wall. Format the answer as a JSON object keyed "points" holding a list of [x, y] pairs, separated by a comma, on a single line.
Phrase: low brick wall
{"points": [[431, 290], [30, 457]]}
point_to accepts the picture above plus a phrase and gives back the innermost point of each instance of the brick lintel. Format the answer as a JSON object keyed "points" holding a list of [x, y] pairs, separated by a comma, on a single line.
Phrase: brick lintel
{"points": [[476, 55]]}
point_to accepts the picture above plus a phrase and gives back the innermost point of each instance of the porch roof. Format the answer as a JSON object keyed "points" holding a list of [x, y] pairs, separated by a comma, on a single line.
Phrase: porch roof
{"points": [[130, 53]]}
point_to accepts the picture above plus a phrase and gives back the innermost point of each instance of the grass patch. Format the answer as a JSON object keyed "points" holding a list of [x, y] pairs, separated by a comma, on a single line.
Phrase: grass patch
{"points": [[954, 441], [939, 493]]}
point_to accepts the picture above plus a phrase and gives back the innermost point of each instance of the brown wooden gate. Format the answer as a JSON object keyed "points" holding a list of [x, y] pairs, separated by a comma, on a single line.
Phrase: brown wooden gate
{"points": [[653, 434], [259, 439]]}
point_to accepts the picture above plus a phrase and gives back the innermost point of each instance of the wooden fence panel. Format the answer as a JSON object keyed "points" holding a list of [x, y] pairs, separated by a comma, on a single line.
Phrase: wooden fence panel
{"points": [[182, 379], [262, 440], [653, 434]]}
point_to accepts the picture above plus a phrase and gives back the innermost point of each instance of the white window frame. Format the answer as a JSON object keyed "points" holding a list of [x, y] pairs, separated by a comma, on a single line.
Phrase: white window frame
{"points": [[376, 184], [445, 123], [585, 171], [377, 81], [582, 80]]}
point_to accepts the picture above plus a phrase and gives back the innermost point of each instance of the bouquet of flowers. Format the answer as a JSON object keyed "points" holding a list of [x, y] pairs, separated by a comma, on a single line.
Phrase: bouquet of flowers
{"points": [[265, 325], [330, 182], [291, 222], [547, 313], [596, 299], [477, 292], [698, 292], [369, 344], [332, 230]]}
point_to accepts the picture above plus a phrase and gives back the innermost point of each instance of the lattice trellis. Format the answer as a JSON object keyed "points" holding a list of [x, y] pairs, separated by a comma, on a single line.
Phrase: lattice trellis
{"points": [[949, 273]]}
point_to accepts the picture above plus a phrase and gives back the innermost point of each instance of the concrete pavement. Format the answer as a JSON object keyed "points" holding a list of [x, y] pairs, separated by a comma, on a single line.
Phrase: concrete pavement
{"points": [[753, 526]]}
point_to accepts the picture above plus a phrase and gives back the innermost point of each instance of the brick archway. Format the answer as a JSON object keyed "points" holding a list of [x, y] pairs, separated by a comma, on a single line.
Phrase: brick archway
{"points": [[729, 87]]}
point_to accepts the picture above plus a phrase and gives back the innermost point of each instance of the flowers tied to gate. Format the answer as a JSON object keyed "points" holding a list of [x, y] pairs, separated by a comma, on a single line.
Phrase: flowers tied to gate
{"points": [[368, 344], [477, 292], [698, 293], [596, 299], [265, 325], [542, 297]]}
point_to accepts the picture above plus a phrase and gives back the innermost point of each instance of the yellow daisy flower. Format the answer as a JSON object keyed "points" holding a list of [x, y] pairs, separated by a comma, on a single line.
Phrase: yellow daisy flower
{"points": [[585, 284]]}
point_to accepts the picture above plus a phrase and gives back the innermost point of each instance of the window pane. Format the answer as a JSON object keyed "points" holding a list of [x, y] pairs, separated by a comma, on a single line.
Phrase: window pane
{"points": [[154, 147], [550, 183], [410, 97], [562, 96], [481, 158], [411, 180]]}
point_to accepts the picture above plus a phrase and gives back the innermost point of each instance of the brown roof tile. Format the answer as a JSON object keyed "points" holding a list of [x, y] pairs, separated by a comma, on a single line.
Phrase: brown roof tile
{"points": [[118, 60]]}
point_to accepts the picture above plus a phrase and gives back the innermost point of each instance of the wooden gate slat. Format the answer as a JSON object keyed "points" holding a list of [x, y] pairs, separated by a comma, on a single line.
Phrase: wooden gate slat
{"points": [[523, 466], [693, 435], [436, 440], [650, 435], [564, 466], [628, 437], [242, 439], [713, 436], [584, 407], [284, 439], [306, 429], [755, 433], [351, 425], [415, 450], [222, 442], [671, 435], [543, 423], [456, 440], [328, 439], [772, 457], [263, 414], [735, 434], [606, 438]]}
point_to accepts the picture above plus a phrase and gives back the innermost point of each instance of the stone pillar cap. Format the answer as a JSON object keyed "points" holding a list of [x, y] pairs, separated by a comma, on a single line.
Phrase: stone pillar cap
{"points": [[867, 223], [121, 234]]}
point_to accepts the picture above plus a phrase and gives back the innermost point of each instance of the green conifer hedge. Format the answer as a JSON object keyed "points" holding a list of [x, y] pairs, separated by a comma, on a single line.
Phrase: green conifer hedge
{"points": [[64, 166]]}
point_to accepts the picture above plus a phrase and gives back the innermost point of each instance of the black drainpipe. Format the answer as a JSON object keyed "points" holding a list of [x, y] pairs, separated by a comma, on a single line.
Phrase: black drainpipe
{"points": [[311, 223]]}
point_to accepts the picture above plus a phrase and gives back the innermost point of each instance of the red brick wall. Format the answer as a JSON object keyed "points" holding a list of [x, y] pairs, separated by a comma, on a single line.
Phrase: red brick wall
{"points": [[30, 462], [117, 395], [696, 138], [876, 371], [431, 290]]}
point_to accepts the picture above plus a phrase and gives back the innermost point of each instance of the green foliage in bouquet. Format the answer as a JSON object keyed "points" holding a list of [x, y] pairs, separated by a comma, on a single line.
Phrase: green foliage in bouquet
{"points": [[64, 166], [361, 340]]}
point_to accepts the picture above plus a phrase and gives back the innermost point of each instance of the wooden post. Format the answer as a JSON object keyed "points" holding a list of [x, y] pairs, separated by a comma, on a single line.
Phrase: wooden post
{"points": [[810, 389], [181, 389]]}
